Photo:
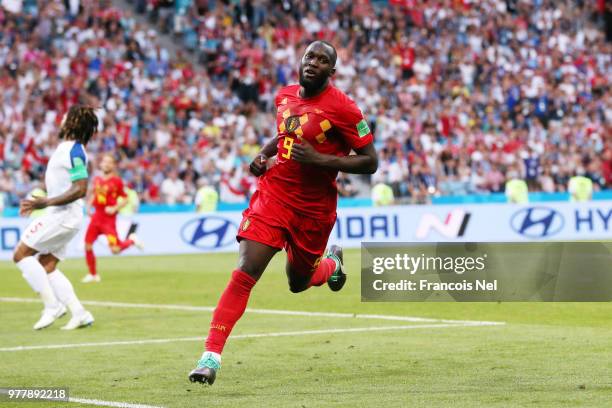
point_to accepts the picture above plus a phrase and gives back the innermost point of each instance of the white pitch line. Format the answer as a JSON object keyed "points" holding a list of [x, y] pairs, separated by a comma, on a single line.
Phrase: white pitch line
{"points": [[87, 401], [261, 311], [115, 404], [242, 336]]}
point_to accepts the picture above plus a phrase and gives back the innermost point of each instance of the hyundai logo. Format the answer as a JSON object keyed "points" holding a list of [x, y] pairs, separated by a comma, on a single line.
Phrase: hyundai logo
{"points": [[537, 222], [209, 232]]}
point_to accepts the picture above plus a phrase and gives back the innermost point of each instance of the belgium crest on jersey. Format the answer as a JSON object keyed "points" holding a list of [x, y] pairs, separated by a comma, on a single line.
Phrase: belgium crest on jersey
{"points": [[292, 123]]}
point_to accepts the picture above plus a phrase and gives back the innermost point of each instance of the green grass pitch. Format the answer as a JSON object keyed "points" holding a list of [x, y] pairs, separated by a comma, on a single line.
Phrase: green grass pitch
{"points": [[546, 355]]}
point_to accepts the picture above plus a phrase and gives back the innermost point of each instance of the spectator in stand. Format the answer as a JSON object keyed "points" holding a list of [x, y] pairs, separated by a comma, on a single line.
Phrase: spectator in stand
{"points": [[450, 88], [580, 188], [173, 189], [382, 194], [517, 191], [189, 173], [206, 198], [346, 188], [546, 180]]}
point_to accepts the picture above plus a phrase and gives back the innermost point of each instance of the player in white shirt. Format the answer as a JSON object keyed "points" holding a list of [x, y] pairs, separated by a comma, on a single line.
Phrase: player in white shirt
{"points": [[44, 241]]}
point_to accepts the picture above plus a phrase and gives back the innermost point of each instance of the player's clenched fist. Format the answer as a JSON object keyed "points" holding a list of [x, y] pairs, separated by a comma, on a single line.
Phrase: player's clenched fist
{"points": [[258, 165], [28, 205]]}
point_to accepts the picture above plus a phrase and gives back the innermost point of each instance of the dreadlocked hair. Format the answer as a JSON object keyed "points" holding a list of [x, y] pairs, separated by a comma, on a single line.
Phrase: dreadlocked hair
{"points": [[80, 124]]}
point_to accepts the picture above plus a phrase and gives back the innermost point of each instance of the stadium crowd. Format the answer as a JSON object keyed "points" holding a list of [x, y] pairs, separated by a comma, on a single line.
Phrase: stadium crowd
{"points": [[461, 95]]}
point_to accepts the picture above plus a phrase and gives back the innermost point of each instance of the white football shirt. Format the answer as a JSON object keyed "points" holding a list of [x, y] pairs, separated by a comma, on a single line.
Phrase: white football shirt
{"points": [[67, 164]]}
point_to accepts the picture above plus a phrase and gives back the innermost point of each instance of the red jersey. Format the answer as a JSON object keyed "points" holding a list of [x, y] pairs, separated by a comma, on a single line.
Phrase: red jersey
{"points": [[333, 124], [106, 192]]}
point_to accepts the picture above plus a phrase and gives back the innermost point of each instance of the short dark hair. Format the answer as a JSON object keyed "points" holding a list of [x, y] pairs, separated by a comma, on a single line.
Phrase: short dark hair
{"points": [[334, 53], [81, 123]]}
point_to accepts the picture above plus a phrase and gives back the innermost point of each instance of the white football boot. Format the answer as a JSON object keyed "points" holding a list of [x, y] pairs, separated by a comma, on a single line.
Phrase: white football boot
{"points": [[91, 278], [137, 242], [48, 316], [83, 319]]}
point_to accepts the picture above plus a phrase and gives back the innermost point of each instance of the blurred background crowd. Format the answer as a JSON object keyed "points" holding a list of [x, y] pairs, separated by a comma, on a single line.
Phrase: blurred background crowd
{"points": [[462, 95]]}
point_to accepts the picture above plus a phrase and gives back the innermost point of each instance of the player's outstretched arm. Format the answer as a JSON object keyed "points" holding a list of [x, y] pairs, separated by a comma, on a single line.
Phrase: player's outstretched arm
{"points": [[364, 162], [258, 165], [77, 190]]}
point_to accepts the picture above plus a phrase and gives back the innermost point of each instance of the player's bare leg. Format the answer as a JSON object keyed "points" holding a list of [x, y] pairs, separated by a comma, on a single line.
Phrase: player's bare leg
{"points": [[298, 281], [65, 294], [328, 269], [253, 260], [35, 274]]}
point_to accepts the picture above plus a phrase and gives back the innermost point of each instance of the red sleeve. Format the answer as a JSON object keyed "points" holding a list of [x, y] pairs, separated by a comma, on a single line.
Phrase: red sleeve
{"points": [[120, 190], [352, 126]]}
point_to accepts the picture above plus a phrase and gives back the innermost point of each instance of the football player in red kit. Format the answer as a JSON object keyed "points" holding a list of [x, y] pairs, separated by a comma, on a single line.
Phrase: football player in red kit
{"points": [[107, 199], [294, 207]]}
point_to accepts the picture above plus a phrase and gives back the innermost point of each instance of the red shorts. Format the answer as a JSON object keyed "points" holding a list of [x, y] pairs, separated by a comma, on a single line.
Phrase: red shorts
{"points": [[102, 226], [272, 223]]}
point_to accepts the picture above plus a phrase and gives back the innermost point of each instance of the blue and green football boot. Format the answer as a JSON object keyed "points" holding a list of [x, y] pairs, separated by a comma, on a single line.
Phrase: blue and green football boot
{"points": [[337, 280], [207, 368]]}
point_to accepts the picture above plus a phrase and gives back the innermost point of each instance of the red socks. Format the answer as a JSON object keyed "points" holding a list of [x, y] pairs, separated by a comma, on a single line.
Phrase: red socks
{"points": [[326, 268], [230, 308], [90, 258], [123, 245], [234, 300]]}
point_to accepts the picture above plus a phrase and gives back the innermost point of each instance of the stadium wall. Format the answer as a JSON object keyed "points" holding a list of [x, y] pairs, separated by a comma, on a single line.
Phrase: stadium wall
{"points": [[181, 233]]}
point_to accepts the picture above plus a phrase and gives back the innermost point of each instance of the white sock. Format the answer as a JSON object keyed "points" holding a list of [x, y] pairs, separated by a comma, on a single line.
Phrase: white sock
{"points": [[34, 273], [65, 292], [215, 355]]}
